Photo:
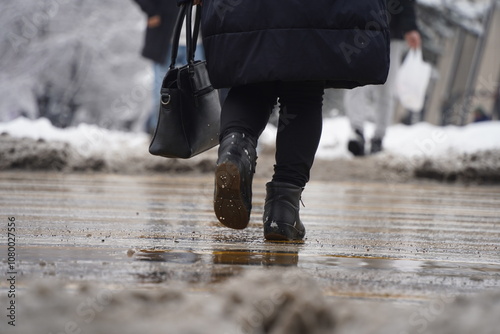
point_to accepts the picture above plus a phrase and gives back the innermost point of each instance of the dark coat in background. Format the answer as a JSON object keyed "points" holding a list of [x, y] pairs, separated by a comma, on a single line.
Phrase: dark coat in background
{"points": [[402, 17], [158, 40], [342, 42]]}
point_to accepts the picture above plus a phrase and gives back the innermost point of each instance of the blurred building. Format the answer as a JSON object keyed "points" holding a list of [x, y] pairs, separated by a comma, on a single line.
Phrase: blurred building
{"points": [[463, 43]]}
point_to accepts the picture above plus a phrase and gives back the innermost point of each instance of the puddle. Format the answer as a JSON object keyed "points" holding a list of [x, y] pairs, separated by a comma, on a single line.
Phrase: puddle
{"points": [[220, 256], [407, 240], [255, 258], [167, 256]]}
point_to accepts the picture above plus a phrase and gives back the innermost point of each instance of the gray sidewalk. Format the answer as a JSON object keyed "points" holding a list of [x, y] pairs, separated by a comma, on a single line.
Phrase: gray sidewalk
{"points": [[399, 244]]}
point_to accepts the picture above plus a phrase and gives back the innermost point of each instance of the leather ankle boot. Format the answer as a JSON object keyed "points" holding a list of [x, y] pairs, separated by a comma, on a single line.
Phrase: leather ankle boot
{"points": [[233, 180], [281, 212]]}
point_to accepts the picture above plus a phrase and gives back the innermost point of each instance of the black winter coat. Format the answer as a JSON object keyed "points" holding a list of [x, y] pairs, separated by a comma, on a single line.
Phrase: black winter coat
{"points": [[402, 17], [158, 40], [342, 42]]}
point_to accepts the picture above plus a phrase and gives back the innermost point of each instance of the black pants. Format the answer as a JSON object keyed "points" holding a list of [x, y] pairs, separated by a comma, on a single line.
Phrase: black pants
{"points": [[247, 109]]}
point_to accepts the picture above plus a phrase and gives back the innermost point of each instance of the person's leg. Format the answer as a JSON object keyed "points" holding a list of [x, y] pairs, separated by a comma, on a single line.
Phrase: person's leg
{"points": [[384, 112], [356, 104], [299, 133], [247, 109], [244, 116]]}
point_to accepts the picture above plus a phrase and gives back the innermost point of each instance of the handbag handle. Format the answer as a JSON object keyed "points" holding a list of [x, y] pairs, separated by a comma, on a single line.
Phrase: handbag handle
{"points": [[194, 40], [186, 12]]}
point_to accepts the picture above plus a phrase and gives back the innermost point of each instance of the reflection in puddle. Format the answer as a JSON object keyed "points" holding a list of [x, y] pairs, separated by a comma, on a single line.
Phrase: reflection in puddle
{"points": [[379, 264], [234, 256], [156, 255], [191, 267], [259, 258], [170, 266]]}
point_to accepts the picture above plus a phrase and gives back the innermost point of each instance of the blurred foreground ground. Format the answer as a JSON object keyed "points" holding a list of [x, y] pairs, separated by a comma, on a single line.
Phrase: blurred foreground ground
{"points": [[107, 253]]}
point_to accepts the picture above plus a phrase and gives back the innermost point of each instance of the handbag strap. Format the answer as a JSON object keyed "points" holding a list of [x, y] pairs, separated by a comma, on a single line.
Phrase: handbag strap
{"points": [[186, 12], [197, 21]]}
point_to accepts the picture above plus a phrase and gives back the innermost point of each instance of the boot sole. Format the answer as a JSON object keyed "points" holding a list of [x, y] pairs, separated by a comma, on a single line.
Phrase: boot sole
{"points": [[277, 237], [229, 205], [283, 232]]}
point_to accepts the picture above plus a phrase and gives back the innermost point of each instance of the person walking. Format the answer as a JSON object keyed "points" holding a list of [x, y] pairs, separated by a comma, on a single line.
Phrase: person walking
{"points": [[161, 17], [357, 102], [290, 51]]}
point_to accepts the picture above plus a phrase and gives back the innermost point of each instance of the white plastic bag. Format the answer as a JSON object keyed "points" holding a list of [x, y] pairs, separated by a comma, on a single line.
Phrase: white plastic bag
{"points": [[412, 81]]}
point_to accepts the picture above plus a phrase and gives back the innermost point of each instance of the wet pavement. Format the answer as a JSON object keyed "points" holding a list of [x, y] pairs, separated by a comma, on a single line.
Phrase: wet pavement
{"points": [[364, 241]]}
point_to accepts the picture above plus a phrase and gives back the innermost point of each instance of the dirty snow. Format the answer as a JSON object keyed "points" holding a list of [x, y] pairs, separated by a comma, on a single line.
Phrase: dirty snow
{"points": [[421, 139], [423, 149], [37, 145], [284, 301]]}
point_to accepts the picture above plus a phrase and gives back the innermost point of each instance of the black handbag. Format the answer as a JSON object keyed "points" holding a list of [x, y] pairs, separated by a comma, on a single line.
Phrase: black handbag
{"points": [[189, 115]]}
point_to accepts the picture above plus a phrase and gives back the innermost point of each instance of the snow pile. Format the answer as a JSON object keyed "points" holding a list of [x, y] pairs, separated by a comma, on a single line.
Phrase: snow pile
{"points": [[38, 145], [424, 139], [448, 153], [275, 301], [470, 153], [419, 140], [87, 140]]}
